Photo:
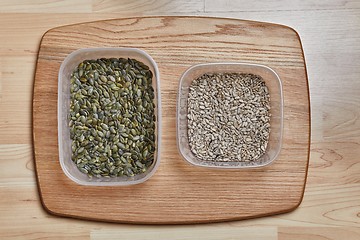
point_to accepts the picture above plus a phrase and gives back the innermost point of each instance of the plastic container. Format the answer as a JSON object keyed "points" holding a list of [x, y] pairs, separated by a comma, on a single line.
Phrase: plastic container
{"points": [[273, 83], [66, 68]]}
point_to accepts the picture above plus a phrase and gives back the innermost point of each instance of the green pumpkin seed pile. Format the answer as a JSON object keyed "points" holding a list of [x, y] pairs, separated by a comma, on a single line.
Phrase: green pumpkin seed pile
{"points": [[112, 120]]}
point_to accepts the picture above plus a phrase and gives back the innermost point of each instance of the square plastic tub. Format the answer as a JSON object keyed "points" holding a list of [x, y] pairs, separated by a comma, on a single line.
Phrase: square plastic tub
{"points": [[66, 68], [273, 83]]}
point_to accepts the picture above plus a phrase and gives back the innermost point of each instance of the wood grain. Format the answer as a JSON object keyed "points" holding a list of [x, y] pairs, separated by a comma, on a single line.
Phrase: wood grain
{"points": [[330, 37], [187, 232], [299, 233], [146, 7], [31, 6], [178, 193], [276, 5]]}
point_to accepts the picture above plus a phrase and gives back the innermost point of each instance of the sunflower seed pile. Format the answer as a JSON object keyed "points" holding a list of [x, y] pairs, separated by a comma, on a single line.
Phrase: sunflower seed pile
{"points": [[112, 119], [228, 117]]}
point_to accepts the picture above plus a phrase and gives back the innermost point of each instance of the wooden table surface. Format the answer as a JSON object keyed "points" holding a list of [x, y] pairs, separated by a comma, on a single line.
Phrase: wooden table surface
{"points": [[330, 33]]}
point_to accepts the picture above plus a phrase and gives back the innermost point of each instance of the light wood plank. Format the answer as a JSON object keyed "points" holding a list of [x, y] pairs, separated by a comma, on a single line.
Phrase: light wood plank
{"points": [[276, 5], [188, 233], [312, 233], [45, 6], [334, 164], [16, 94], [146, 7], [16, 164]]}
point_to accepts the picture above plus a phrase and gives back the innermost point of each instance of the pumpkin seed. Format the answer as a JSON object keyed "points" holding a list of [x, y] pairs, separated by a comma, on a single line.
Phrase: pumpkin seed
{"points": [[111, 110]]}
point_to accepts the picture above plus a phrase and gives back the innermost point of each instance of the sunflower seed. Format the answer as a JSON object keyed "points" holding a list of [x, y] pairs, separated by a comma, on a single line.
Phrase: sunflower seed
{"points": [[228, 117]]}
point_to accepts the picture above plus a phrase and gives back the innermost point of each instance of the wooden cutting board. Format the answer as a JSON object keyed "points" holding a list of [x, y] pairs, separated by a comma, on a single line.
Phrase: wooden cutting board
{"points": [[178, 192]]}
